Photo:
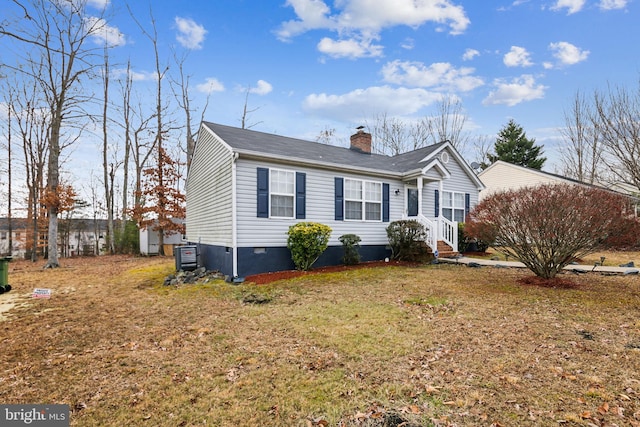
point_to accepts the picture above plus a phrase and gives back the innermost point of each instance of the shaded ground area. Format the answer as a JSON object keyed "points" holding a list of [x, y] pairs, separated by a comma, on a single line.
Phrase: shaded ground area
{"points": [[437, 345]]}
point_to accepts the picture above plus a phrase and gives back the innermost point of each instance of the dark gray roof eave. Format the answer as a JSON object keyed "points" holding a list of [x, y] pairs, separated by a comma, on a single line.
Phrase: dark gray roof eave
{"points": [[284, 148]]}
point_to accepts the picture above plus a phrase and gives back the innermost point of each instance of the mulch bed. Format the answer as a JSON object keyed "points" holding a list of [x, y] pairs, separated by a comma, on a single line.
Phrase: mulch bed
{"points": [[264, 278]]}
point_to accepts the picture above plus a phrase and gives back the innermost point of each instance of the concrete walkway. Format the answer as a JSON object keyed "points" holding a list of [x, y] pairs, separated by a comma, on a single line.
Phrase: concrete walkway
{"points": [[577, 268]]}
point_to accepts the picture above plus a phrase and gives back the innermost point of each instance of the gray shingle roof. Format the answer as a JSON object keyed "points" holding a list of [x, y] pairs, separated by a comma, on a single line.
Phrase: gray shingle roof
{"points": [[250, 141]]}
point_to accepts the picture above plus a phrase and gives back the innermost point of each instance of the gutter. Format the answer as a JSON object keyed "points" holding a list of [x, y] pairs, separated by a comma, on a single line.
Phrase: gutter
{"points": [[254, 155]]}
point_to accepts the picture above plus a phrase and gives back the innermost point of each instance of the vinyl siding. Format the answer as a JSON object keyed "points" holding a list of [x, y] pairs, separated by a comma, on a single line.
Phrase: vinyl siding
{"points": [[459, 182], [503, 176], [209, 193], [272, 232]]}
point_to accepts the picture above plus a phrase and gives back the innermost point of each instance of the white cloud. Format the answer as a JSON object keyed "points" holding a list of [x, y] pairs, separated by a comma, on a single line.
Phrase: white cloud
{"points": [[351, 48], [361, 104], [210, 85], [190, 34], [364, 19], [517, 57], [568, 54], [408, 43], [312, 14], [469, 54], [98, 4], [523, 88], [613, 4], [572, 6], [261, 88], [103, 33], [136, 76], [439, 76]]}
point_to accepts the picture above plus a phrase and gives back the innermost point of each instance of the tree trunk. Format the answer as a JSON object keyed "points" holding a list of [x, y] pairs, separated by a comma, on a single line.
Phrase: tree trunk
{"points": [[53, 178]]}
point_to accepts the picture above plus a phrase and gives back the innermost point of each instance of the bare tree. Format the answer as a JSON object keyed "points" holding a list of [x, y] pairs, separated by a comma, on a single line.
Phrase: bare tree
{"points": [[180, 88], [447, 123], [482, 150], [246, 111], [162, 129], [137, 147], [582, 154], [392, 135], [56, 34], [326, 135], [108, 170], [389, 135], [9, 95], [126, 124], [617, 111], [32, 123]]}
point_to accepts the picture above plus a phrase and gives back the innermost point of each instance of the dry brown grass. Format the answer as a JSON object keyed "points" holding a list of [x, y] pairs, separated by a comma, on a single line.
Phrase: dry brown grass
{"points": [[437, 345]]}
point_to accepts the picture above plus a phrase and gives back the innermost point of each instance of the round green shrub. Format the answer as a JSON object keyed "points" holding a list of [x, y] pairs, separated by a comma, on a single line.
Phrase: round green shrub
{"points": [[350, 244], [406, 238], [307, 241]]}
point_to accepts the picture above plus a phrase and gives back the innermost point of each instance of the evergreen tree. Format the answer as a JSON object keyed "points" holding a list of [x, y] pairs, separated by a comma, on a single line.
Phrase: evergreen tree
{"points": [[513, 146]]}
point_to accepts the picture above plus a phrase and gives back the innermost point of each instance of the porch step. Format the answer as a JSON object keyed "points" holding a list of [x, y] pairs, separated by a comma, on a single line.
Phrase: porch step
{"points": [[445, 251], [443, 247]]}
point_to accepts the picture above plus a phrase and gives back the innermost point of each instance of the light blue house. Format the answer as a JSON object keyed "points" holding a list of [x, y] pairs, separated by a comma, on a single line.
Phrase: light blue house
{"points": [[245, 188]]}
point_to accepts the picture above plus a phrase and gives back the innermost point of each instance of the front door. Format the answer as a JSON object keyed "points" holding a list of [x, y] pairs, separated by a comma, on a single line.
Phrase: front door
{"points": [[412, 202]]}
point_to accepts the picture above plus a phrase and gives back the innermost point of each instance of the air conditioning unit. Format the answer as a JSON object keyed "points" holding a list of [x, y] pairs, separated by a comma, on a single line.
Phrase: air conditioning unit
{"points": [[186, 257]]}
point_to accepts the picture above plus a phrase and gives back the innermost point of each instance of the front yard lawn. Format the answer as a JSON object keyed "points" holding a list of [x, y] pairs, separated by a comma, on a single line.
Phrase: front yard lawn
{"points": [[432, 345]]}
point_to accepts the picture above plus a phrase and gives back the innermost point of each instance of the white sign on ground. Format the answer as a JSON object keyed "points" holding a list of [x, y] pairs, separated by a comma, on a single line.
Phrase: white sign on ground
{"points": [[41, 293]]}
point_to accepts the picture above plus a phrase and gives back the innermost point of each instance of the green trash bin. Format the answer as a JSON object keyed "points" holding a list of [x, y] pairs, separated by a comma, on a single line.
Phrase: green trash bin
{"points": [[4, 271]]}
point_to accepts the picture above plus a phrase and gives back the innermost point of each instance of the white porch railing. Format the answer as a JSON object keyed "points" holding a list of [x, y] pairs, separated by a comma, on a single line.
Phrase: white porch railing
{"points": [[448, 232], [432, 231], [439, 229]]}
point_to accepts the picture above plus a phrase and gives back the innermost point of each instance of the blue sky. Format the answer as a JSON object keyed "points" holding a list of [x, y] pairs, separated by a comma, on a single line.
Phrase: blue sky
{"points": [[312, 65]]}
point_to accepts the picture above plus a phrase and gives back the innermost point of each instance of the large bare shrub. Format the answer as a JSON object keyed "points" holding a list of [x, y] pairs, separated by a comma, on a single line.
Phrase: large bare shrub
{"points": [[548, 226]]}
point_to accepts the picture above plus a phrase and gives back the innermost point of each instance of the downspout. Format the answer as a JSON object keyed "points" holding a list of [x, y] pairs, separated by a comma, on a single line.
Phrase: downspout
{"points": [[234, 220]]}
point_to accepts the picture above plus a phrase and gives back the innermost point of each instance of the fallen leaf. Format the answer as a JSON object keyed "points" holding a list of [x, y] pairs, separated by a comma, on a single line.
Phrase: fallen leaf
{"points": [[585, 415], [412, 409], [604, 408], [432, 389]]}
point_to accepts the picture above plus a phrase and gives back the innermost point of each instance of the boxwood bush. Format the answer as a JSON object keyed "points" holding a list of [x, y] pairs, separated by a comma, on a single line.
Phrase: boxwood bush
{"points": [[350, 244], [407, 240], [307, 241]]}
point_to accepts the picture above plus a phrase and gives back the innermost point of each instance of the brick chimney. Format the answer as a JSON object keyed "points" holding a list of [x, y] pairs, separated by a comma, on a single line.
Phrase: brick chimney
{"points": [[361, 141]]}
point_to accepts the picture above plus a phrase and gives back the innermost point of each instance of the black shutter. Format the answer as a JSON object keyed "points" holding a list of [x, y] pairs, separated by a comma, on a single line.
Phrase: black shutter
{"points": [[385, 202], [437, 204], [467, 205], [263, 193], [339, 199], [301, 195]]}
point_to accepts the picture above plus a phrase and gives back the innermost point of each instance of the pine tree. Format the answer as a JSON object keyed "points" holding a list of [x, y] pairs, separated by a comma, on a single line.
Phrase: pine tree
{"points": [[513, 146]]}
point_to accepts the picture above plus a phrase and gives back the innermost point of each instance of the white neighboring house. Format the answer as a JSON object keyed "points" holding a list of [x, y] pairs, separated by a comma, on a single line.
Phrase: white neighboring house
{"points": [[502, 176], [76, 236], [150, 240]]}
